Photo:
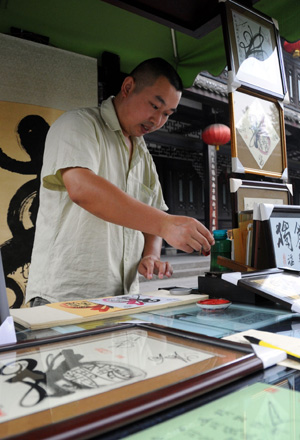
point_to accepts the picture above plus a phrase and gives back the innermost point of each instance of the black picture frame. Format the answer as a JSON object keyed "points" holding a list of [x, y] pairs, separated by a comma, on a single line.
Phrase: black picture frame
{"points": [[253, 50], [276, 237], [279, 286]]}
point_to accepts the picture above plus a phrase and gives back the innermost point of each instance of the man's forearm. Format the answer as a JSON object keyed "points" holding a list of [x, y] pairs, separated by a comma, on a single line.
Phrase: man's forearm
{"points": [[108, 202], [152, 245]]}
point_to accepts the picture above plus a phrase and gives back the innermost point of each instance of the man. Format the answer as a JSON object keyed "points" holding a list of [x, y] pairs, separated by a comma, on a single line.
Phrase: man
{"points": [[101, 205]]}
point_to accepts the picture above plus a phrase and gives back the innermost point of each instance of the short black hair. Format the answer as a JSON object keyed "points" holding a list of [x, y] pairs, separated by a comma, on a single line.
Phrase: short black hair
{"points": [[147, 72]]}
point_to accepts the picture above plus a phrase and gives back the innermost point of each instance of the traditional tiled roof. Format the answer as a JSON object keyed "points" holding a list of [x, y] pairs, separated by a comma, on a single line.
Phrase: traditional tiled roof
{"points": [[217, 89], [292, 116], [212, 86]]}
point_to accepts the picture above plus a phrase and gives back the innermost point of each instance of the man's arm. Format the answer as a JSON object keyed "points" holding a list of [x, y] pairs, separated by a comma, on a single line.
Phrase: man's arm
{"points": [[106, 201]]}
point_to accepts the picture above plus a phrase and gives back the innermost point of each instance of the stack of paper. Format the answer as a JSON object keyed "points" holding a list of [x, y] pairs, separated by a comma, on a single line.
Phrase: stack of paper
{"points": [[75, 312]]}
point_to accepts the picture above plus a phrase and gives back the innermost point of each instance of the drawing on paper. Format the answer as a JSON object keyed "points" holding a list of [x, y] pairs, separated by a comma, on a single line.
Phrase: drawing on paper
{"points": [[52, 376], [65, 374], [257, 131], [253, 40], [280, 285], [249, 202], [132, 301]]}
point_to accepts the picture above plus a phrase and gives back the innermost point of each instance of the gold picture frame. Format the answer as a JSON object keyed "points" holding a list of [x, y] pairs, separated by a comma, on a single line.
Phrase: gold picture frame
{"points": [[258, 144]]}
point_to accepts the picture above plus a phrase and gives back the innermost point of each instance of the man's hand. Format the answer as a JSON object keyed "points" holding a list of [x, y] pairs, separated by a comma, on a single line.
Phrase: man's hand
{"points": [[187, 234], [150, 265]]}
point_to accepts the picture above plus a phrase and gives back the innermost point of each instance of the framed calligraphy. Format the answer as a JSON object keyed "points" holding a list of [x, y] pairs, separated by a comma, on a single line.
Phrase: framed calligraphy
{"points": [[244, 193], [253, 50], [279, 286], [258, 143], [276, 236], [93, 384]]}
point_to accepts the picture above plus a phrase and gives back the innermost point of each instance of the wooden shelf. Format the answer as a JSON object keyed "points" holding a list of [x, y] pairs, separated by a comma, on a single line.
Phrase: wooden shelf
{"points": [[234, 265]]}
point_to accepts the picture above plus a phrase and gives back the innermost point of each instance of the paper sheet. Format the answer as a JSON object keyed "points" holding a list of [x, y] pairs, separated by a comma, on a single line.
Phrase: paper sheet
{"points": [[286, 342], [257, 412]]}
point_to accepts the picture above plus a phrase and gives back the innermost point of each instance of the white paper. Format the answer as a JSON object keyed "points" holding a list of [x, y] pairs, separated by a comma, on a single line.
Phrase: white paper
{"points": [[269, 356], [7, 332], [133, 301], [285, 342]]}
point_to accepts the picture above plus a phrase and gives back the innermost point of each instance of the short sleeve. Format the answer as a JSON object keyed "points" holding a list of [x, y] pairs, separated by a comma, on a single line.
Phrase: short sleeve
{"points": [[72, 141]]}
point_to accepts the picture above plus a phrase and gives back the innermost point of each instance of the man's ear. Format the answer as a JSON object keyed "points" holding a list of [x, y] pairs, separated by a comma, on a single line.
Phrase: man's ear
{"points": [[127, 86]]}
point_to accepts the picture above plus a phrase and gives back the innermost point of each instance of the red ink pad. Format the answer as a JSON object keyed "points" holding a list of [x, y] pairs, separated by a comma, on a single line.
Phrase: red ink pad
{"points": [[213, 304]]}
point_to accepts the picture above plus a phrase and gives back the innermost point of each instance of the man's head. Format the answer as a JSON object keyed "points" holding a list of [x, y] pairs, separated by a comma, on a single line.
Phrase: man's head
{"points": [[147, 72], [148, 96]]}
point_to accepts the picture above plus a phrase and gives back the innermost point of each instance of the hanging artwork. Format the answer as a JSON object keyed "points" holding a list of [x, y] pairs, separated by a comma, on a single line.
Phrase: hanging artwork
{"points": [[31, 100], [23, 129], [258, 143], [253, 49]]}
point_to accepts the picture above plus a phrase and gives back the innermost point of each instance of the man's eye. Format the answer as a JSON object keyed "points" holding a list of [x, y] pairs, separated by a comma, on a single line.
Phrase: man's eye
{"points": [[154, 106]]}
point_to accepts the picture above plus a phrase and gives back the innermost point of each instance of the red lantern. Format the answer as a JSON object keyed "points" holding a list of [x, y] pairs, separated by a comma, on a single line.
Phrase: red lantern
{"points": [[293, 48], [216, 134]]}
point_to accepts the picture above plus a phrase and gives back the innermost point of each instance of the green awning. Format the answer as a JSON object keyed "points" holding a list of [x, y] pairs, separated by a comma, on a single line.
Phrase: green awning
{"points": [[90, 27]]}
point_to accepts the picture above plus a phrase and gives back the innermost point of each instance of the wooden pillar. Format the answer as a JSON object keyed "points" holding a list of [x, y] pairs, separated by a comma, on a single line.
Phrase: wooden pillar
{"points": [[212, 188]]}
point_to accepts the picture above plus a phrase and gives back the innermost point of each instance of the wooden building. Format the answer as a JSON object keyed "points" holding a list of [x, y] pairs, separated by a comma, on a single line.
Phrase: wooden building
{"points": [[181, 155]]}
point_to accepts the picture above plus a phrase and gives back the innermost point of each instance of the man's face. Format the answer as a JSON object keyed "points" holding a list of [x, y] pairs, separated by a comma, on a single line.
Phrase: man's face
{"points": [[149, 109]]}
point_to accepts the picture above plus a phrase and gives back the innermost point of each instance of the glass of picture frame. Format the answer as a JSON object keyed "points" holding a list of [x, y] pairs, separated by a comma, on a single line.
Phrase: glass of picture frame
{"points": [[276, 236], [96, 383], [236, 412], [258, 143], [280, 286], [253, 50], [244, 193]]}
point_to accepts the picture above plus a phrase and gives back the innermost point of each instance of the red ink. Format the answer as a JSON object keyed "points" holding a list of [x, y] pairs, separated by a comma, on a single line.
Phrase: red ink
{"points": [[214, 302], [101, 308]]}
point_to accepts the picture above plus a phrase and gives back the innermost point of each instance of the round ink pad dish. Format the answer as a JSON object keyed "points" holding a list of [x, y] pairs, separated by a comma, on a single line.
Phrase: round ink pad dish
{"points": [[180, 291], [214, 304]]}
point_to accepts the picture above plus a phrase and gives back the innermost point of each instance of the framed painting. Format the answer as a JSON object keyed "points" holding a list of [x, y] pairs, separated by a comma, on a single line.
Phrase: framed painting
{"points": [[276, 236], [253, 50], [258, 143], [282, 287], [244, 193], [90, 385]]}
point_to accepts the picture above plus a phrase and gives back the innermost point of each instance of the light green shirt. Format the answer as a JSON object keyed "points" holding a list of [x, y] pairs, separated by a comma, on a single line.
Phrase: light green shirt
{"points": [[77, 255]]}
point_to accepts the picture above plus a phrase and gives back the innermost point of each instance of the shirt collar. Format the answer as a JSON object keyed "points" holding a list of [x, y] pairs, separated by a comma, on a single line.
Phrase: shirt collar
{"points": [[110, 118], [109, 114]]}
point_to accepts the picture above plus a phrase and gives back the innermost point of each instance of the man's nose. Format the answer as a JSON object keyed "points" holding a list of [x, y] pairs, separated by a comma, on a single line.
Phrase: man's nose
{"points": [[156, 118]]}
